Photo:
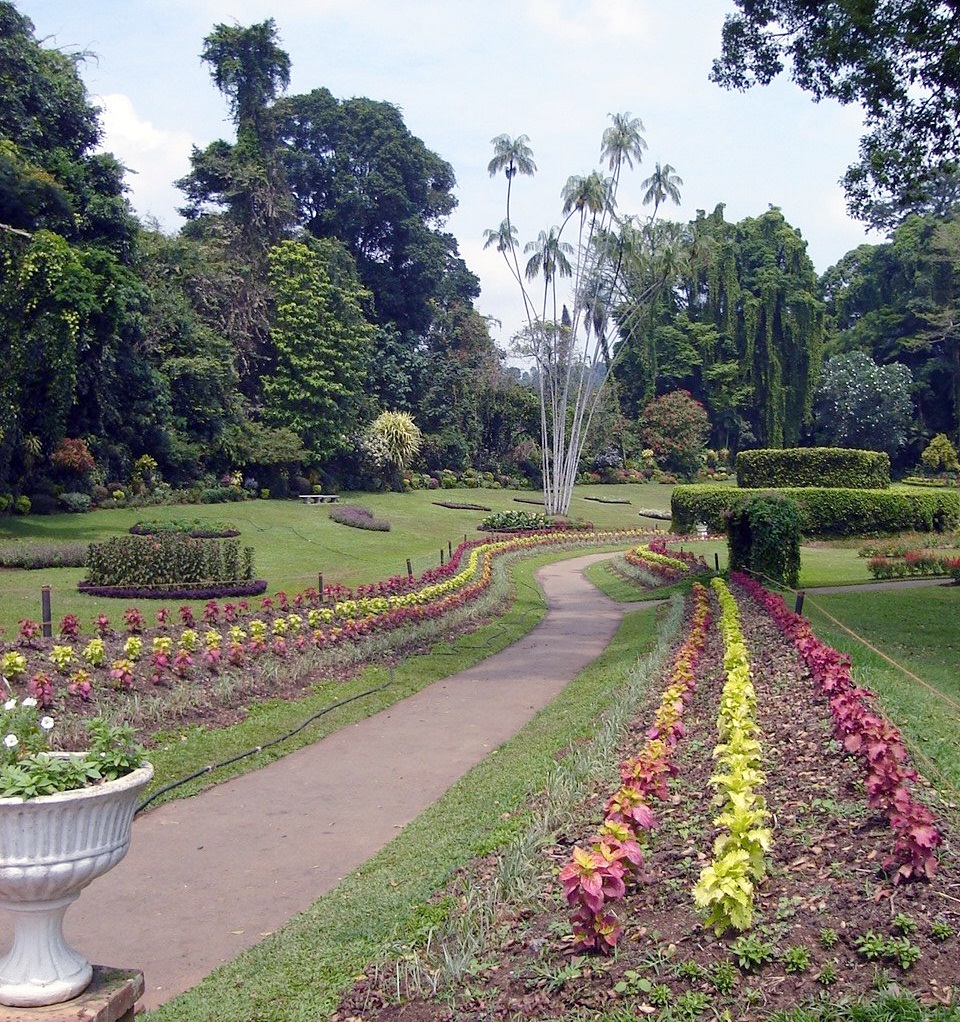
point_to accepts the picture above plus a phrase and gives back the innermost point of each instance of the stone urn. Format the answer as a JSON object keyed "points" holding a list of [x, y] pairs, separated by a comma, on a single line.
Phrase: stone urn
{"points": [[51, 847]]}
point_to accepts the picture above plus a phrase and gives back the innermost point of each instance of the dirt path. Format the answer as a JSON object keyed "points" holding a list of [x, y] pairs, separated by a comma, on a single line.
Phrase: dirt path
{"points": [[209, 876]]}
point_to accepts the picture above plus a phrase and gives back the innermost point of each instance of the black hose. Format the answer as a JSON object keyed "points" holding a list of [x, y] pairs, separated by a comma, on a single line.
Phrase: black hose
{"points": [[260, 748]]}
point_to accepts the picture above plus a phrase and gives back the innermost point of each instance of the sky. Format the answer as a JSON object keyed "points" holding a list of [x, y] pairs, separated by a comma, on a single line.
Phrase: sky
{"points": [[464, 71]]}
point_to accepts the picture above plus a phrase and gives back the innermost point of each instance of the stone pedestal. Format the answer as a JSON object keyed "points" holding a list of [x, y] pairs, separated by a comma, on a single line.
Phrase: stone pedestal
{"points": [[111, 997]]}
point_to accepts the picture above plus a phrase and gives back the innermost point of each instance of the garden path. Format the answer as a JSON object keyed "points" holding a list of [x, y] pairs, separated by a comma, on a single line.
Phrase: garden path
{"points": [[209, 876]]}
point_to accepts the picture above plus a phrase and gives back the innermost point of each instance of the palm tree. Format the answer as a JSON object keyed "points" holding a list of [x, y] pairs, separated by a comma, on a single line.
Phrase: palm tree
{"points": [[663, 183], [583, 195], [549, 256], [512, 156], [504, 237], [622, 143]]}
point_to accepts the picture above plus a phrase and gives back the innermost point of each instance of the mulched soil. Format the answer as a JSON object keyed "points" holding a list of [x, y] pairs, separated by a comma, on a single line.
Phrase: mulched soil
{"points": [[824, 875]]}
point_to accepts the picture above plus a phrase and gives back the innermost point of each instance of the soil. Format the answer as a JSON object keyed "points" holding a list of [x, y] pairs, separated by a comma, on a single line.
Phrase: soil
{"points": [[824, 891]]}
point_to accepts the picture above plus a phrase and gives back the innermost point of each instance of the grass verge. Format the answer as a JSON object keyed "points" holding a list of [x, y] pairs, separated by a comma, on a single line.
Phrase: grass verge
{"points": [[297, 972], [918, 629]]}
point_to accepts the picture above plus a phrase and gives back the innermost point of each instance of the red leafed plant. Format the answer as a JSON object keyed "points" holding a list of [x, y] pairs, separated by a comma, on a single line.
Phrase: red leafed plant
{"points": [[869, 736], [598, 875]]}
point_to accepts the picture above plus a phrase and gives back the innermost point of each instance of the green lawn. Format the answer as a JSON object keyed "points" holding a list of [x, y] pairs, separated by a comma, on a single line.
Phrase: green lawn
{"points": [[293, 543], [919, 629]]}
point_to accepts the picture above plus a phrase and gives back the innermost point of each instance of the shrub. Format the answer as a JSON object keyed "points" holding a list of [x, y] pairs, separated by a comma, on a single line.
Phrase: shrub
{"points": [[43, 503], [73, 456], [188, 526], [940, 455], [825, 511], [358, 517], [813, 466], [75, 502], [22, 505], [44, 555], [166, 560], [528, 521], [221, 494], [675, 427], [764, 539]]}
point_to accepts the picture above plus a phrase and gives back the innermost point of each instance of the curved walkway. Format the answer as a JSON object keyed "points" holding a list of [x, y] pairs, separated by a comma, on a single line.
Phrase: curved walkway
{"points": [[209, 876]]}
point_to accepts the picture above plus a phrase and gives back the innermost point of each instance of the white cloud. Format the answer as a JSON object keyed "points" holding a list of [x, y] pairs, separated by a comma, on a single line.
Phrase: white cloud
{"points": [[154, 156]]}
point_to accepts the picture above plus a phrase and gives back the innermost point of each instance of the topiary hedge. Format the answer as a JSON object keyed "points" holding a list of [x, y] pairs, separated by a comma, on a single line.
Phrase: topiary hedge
{"points": [[824, 511], [813, 466]]}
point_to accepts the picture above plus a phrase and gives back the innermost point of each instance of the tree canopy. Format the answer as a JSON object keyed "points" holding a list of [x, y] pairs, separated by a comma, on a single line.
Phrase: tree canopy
{"points": [[899, 59]]}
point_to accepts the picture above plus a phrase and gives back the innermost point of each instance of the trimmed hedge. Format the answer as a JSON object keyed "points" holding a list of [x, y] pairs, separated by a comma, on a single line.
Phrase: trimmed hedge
{"points": [[841, 467], [824, 511]]}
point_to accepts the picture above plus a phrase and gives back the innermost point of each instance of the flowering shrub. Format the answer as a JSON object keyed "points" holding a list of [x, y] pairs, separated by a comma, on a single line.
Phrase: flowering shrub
{"points": [[914, 564]]}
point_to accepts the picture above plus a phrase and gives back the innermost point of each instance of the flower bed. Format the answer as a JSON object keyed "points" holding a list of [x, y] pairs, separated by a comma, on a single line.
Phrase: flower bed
{"points": [[598, 875], [836, 914], [135, 656], [656, 559]]}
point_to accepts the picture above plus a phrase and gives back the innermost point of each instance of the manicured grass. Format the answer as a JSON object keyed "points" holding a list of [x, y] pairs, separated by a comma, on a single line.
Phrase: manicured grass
{"points": [[294, 543], [918, 629], [297, 972]]}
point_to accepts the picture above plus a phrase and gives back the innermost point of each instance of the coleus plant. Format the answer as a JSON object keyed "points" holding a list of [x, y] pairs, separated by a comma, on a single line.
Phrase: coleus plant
{"points": [[868, 735], [725, 888], [598, 875]]}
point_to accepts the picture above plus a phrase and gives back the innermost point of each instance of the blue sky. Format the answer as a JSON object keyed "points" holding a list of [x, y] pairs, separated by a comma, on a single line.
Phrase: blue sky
{"points": [[463, 71]]}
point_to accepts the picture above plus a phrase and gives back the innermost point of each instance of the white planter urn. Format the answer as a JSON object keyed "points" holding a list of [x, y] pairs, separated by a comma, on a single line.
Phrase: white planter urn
{"points": [[51, 847]]}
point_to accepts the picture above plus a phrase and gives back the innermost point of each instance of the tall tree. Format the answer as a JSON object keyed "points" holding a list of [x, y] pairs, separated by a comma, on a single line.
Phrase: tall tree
{"points": [[237, 193], [737, 321], [900, 302], [897, 58], [567, 332], [322, 343], [358, 175], [864, 405]]}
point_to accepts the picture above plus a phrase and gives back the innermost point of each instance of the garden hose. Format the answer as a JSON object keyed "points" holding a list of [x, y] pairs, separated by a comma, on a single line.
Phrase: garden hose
{"points": [[260, 748], [300, 727]]}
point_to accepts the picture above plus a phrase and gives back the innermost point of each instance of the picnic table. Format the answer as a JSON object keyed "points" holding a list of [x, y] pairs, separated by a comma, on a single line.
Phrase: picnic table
{"points": [[319, 498]]}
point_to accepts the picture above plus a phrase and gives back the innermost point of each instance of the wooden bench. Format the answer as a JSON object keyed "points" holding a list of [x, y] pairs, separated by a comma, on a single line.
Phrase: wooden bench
{"points": [[319, 498]]}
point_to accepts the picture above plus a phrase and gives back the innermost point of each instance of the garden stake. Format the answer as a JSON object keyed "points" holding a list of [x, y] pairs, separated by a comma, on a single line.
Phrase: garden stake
{"points": [[441, 557], [450, 548], [798, 609], [320, 585], [45, 616], [409, 569], [716, 561]]}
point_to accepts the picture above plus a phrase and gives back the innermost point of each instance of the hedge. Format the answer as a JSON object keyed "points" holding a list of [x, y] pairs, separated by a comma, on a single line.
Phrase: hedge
{"points": [[825, 511], [840, 467]]}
